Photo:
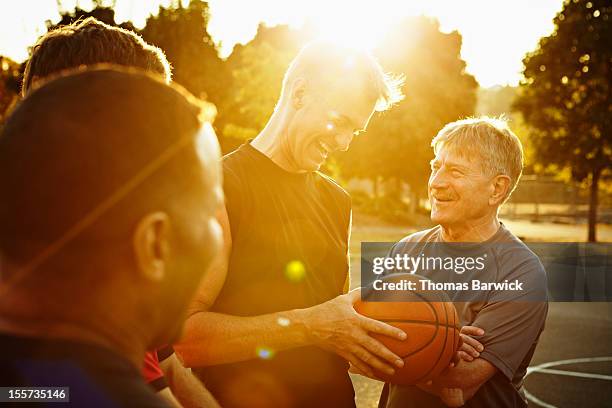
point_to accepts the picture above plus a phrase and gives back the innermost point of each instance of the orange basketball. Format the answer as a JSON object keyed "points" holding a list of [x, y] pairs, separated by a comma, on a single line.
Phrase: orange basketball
{"points": [[427, 317]]}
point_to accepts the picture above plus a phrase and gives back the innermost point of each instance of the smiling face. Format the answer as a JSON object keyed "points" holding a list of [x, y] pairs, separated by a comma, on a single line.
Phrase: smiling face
{"points": [[325, 122], [459, 190]]}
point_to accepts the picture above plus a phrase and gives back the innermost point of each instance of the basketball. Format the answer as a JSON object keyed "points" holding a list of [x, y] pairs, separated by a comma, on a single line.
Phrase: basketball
{"points": [[427, 317]]}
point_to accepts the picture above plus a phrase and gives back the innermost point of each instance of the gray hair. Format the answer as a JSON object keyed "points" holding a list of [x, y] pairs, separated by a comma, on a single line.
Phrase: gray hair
{"points": [[324, 63], [489, 139]]}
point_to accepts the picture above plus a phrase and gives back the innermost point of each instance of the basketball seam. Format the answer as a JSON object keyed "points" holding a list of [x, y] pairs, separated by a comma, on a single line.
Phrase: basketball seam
{"points": [[427, 322], [432, 338], [442, 349]]}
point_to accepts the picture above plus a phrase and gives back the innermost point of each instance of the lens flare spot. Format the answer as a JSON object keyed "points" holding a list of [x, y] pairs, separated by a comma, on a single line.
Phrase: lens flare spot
{"points": [[265, 353], [295, 271], [329, 126], [283, 321]]}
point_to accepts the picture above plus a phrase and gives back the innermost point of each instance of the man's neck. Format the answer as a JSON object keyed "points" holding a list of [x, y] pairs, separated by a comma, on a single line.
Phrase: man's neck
{"points": [[476, 231], [96, 331], [271, 142]]}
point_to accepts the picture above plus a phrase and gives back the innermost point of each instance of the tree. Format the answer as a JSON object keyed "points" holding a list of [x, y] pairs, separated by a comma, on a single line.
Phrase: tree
{"points": [[105, 14], [257, 70], [438, 91], [565, 96], [181, 32], [10, 83], [497, 101]]}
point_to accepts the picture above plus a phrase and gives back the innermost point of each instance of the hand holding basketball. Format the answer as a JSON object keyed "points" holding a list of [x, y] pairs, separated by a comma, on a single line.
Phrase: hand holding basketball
{"points": [[430, 320], [336, 326]]}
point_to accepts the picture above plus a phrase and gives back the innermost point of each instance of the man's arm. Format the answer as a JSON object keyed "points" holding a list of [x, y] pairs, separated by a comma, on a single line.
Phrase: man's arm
{"points": [[185, 387], [167, 395], [469, 376], [214, 338]]}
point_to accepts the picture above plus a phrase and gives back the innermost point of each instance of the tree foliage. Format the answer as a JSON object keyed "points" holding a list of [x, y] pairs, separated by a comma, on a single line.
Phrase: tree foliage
{"points": [[105, 14], [182, 33], [565, 95], [257, 69], [437, 91], [10, 83]]}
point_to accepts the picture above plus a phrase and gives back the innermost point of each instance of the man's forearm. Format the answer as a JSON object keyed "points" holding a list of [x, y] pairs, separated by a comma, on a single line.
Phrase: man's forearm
{"points": [[214, 338], [468, 376]]}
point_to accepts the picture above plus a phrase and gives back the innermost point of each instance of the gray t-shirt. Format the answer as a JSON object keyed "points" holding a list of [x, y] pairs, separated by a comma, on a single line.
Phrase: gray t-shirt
{"points": [[512, 327]]}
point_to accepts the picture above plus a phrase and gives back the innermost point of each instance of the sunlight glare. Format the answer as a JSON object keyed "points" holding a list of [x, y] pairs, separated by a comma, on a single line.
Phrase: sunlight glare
{"points": [[356, 26]]}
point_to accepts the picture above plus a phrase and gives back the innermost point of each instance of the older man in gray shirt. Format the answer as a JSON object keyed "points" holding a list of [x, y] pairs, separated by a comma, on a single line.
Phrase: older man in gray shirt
{"points": [[477, 165]]}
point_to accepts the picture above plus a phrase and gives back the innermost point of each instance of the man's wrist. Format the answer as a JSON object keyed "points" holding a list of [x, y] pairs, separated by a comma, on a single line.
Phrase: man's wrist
{"points": [[300, 320]]}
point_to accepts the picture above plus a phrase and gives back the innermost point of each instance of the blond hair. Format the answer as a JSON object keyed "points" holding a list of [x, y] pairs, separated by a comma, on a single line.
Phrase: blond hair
{"points": [[489, 139], [324, 63]]}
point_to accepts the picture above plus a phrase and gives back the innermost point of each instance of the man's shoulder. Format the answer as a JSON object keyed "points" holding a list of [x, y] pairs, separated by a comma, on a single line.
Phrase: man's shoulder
{"points": [[235, 159], [92, 373], [332, 185], [409, 242], [517, 261], [236, 166], [427, 235], [335, 190], [514, 251]]}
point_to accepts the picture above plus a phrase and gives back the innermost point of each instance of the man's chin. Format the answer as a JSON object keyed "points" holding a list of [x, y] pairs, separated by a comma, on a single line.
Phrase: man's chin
{"points": [[438, 218], [312, 165]]}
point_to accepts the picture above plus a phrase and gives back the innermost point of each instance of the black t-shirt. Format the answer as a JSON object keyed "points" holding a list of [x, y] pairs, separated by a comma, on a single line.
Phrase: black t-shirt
{"points": [[289, 250], [96, 377]]}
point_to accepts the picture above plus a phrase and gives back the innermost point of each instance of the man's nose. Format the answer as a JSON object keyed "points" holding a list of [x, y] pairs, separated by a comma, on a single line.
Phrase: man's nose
{"points": [[438, 180]]}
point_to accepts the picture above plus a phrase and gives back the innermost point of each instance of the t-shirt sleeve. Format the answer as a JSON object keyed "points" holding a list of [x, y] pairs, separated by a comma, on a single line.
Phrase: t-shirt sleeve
{"points": [[512, 327], [152, 372], [233, 191]]}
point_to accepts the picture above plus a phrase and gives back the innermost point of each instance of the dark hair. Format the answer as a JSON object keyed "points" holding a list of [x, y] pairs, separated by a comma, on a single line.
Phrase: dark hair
{"points": [[85, 137], [88, 42]]}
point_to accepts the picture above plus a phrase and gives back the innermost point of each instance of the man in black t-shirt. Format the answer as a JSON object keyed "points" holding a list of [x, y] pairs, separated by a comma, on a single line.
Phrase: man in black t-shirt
{"points": [[277, 330], [110, 185]]}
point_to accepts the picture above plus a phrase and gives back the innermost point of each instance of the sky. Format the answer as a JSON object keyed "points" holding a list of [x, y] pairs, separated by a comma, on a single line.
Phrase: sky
{"points": [[496, 33]]}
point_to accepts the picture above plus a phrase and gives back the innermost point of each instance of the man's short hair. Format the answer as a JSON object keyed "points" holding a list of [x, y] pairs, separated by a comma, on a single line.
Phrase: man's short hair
{"points": [[84, 139], [488, 140], [89, 42], [324, 63]]}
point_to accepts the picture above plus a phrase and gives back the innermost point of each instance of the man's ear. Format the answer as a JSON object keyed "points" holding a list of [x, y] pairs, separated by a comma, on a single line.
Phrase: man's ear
{"points": [[298, 93], [151, 245], [501, 187]]}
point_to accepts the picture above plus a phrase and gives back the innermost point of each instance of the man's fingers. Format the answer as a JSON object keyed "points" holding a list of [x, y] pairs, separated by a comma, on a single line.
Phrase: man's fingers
{"points": [[354, 370], [378, 349], [357, 364], [374, 326], [471, 345], [465, 356], [372, 361], [472, 331]]}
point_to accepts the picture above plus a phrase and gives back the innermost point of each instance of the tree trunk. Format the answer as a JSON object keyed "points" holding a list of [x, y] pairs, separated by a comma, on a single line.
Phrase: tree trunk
{"points": [[593, 205]]}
